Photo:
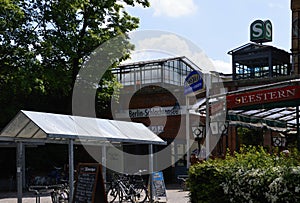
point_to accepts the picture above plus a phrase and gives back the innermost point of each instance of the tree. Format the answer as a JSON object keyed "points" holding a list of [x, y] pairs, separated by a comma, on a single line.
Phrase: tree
{"points": [[45, 43]]}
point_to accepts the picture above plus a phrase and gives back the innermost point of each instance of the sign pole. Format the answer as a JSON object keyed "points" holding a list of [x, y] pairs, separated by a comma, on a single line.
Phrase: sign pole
{"points": [[207, 118], [187, 135], [192, 84]]}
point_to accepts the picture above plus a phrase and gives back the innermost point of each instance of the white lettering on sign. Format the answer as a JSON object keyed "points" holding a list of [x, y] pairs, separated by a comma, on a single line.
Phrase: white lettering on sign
{"points": [[193, 79], [89, 169], [257, 29], [268, 29], [253, 98], [261, 31], [162, 111]]}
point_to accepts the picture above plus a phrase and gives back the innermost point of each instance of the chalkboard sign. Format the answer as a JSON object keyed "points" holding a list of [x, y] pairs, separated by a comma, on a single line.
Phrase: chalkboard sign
{"points": [[89, 187], [158, 185]]}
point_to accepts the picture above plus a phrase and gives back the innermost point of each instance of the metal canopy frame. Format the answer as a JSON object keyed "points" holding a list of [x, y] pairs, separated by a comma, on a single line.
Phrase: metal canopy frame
{"points": [[38, 127], [286, 115], [254, 60], [282, 119]]}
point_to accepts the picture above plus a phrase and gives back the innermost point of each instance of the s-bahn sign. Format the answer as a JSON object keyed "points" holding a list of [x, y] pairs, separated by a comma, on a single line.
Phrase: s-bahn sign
{"points": [[274, 97], [193, 82], [261, 31]]}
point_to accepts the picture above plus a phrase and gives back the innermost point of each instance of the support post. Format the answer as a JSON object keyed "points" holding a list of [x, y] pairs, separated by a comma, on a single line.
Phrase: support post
{"points": [[104, 162], [187, 131], [71, 168], [151, 173], [23, 167], [207, 118], [298, 130], [19, 171]]}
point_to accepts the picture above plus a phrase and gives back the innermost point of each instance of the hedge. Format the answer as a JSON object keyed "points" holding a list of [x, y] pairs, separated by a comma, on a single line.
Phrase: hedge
{"points": [[251, 175]]}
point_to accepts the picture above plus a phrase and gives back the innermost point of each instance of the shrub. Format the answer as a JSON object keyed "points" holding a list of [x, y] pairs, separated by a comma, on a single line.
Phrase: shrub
{"points": [[252, 175], [204, 183]]}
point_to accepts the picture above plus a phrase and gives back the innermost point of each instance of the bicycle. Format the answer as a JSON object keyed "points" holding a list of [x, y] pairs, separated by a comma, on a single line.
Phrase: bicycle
{"points": [[128, 188], [60, 193]]}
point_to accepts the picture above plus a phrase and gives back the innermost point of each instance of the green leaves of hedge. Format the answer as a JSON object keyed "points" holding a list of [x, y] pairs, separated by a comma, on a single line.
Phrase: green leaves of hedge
{"points": [[251, 175]]}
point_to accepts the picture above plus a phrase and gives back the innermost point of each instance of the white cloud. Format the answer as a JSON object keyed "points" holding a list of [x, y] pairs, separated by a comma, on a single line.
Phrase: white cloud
{"points": [[151, 45], [222, 66], [173, 8], [154, 46]]}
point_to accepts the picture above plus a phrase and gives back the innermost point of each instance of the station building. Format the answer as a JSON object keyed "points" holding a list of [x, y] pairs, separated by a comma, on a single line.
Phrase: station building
{"points": [[152, 95], [258, 70]]}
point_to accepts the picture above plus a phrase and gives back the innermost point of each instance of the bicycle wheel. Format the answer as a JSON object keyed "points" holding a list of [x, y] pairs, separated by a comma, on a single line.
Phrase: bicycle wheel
{"points": [[54, 197], [140, 194], [63, 196], [112, 194]]}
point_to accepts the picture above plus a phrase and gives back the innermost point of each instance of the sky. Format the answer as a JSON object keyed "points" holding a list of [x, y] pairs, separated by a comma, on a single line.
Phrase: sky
{"points": [[214, 26]]}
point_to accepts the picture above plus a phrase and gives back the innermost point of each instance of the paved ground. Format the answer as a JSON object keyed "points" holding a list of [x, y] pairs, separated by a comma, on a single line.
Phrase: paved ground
{"points": [[174, 195]]}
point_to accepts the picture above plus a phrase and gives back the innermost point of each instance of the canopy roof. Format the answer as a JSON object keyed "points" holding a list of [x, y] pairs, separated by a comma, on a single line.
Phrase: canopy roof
{"points": [[48, 127], [274, 108]]}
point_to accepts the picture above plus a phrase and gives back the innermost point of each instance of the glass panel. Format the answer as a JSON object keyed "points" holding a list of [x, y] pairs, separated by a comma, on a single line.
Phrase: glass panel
{"points": [[166, 74], [172, 72]]}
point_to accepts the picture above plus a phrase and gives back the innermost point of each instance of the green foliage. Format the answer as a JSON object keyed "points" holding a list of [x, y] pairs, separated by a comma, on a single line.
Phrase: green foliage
{"points": [[252, 175], [204, 183], [250, 136], [45, 43]]}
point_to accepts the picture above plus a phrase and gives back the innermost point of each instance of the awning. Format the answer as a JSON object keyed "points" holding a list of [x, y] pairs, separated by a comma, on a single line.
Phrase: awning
{"points": [[198, 104], [29, 126], [48, 127], [272, 106], [239, 119]]}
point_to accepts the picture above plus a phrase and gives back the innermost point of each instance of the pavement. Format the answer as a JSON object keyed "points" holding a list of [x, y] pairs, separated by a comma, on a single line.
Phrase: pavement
{"points": [[174, 195]]}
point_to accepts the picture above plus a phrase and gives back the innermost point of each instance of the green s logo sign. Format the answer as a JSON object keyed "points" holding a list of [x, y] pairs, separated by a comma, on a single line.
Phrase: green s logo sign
{"points": [[261, 31]]}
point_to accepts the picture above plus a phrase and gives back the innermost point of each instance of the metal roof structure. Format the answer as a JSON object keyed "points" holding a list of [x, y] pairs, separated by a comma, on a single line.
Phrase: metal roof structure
{"points": [[254, 60], [278, 116], [32, 126], [161, 61], [277, 119]]}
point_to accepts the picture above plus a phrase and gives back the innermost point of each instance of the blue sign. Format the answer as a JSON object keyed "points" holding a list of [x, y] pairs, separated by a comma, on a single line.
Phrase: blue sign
{"points": [[158, 184], [193, 82]]}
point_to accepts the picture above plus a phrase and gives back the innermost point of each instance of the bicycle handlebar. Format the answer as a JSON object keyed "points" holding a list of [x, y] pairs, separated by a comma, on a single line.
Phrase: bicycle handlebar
{"points": [[45, 187], [140, 172]]}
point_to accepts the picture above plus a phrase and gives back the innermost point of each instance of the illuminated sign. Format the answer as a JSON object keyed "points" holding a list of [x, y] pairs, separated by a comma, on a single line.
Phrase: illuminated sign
{"points": [[193, 82], [261, 31]]}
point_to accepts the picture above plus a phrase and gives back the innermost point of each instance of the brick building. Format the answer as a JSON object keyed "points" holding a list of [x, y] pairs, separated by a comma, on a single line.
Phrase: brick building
{"points": [[152, 94]]}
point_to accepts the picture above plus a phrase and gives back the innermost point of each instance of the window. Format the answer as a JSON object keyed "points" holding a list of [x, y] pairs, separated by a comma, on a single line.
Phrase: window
{"points": [[169, 72]]}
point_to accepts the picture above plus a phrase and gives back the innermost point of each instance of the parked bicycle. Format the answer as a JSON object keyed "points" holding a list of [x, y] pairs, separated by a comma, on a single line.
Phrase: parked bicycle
{"points": [[59, 193], [127, 188]]}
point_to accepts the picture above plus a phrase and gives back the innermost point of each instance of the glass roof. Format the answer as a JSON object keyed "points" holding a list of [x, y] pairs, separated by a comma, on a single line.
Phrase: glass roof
{"points": [[29, 125]]}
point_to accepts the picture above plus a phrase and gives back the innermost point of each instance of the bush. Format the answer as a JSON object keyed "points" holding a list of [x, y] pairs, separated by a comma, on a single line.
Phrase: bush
{"points": [[252, 175], [204, 183]]}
